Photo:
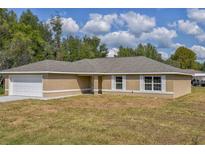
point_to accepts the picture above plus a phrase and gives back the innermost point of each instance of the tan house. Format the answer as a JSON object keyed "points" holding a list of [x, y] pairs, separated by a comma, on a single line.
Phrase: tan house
{"points": [[128, 75]]}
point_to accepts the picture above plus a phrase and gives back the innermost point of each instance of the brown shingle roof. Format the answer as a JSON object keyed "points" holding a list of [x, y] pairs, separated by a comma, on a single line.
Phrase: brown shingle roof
{"points": [[192, 71], [138, 64]]}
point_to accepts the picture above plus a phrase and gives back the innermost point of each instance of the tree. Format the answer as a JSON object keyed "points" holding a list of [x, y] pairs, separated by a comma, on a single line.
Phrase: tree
{"points": [[203, 67], [8, 22], [29, 19], [56, 25], [147, 50], [97, 49], [126, 52], [172, 63], [74, 48], [24, 41], [185, 57]]}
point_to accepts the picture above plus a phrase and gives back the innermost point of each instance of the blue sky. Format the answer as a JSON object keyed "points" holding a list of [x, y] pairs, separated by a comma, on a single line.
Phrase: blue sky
{"points": [[165, 28]]}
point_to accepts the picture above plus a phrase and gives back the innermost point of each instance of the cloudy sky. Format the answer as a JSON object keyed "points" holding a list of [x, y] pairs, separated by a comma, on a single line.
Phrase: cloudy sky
{"points": [[165, 28]]}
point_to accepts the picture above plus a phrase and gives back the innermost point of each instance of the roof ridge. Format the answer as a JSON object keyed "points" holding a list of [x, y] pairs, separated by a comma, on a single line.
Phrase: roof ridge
{"points": [[90, 59]]}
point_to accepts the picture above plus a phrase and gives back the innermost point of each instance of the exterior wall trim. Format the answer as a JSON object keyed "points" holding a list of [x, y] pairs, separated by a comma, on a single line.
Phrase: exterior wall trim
{"points": [[109, 90], [124, 86], [137, 91], [67, 90], [10, 86]]}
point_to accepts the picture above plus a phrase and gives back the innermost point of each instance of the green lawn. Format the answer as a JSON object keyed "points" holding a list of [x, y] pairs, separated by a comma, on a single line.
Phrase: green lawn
{"points": [[105, 119]]}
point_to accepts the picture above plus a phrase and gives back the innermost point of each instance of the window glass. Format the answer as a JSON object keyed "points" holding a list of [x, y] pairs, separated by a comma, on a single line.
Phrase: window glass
{"points": [[148, 79], [118, 79], [148, 83], [157, 87], [153, 83], [119, 82], [157, 79], [148, 86], [157, 84]]}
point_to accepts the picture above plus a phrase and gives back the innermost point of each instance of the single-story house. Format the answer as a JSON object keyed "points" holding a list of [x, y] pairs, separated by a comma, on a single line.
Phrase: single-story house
{"points": [[198, 77], [127, 75]]}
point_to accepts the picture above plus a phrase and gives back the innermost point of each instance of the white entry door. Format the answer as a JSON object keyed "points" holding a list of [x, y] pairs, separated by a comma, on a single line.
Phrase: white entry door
{"points": [[26, 85]]}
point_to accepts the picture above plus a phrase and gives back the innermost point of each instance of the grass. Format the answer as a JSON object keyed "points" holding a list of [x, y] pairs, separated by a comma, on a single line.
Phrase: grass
{"points": [[105, 119]]}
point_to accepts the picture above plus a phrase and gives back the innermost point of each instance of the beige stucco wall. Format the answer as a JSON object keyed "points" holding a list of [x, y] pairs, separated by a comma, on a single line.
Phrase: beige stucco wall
{"points": [[169, 83], [181, 85], [106, 82], [6, 85], [178, 84], [94, 82], [73, 83], [133, 82], [65, 82]]}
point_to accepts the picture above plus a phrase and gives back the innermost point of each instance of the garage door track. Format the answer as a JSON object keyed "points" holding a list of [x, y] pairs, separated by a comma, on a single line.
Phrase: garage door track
{"points": [[12, 98]]}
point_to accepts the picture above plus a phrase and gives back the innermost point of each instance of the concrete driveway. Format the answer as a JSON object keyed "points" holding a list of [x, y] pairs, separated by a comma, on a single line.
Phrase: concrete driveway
{"points": [[4, 99], [12, 98]]}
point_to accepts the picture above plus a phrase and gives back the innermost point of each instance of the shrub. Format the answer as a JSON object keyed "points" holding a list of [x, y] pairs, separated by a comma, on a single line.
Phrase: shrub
{"points": [[1, 90]]}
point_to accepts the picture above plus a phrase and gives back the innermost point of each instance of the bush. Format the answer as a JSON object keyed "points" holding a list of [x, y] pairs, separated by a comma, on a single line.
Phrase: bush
{"points": [[1, 90]]}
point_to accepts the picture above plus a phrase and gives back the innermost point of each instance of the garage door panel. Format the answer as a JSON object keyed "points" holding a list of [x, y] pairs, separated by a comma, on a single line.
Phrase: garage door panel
{"points": [[26, 85]]}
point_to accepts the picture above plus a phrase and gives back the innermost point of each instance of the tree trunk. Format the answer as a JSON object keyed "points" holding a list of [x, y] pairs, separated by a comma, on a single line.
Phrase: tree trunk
{"points": [[1, 80]]}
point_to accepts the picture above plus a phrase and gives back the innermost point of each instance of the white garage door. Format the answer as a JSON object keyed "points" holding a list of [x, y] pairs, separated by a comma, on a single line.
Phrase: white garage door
{"points": [[26, 85]]}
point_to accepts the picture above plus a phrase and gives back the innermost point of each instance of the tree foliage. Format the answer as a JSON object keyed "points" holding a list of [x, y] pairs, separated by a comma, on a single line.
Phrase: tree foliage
{"points": [[74, 48], [147, 50], [27, 40], [185, 57]]}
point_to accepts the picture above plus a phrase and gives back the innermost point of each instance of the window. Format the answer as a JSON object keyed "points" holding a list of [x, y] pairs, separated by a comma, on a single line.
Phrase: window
{"points": [[153, 83], [118, 82], [148, 83], [157, 83]]}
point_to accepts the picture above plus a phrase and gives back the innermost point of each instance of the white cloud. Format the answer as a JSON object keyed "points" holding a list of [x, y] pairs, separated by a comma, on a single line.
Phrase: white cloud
{"points": [[69, 25], [189, 27], [115, 39], [138, 23], [201, 37], [196, 15], [161, 36], [112, 52], [165, 55], [172, 25], [192, 28], [176, 45], [99, 24], [199, 50]]}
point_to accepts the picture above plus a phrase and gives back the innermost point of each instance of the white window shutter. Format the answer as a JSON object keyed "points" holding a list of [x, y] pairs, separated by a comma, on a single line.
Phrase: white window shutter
{"points": [[113, 83], [163, 77], [124, 82], [141, 83]]}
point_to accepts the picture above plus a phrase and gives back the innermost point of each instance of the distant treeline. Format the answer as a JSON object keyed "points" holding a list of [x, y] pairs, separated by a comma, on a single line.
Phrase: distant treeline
{"points": [[28, 39]]}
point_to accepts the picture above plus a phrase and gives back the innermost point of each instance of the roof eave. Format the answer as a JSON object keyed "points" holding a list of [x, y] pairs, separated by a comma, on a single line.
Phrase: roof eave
{"points": [[91, 73]]}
